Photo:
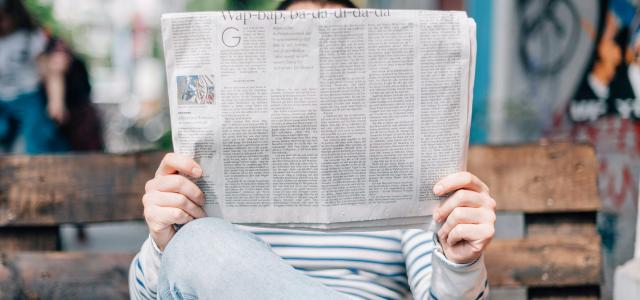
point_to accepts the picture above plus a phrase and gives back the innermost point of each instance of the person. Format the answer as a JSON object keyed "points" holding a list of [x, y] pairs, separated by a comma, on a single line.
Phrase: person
{"points": [[23, 66], [80, 122], [209, 258]]}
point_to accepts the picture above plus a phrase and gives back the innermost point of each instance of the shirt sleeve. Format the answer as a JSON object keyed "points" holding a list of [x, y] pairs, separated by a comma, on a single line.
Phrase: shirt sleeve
{"points": [[37, 43], [144, 272], [432, 276]]}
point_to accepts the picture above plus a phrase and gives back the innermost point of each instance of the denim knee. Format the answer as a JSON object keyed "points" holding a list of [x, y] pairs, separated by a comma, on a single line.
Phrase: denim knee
{"points": [[207, 242]]}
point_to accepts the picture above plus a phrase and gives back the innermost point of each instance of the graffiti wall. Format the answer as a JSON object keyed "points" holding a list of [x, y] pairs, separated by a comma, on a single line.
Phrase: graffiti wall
{"points": [[574, 74]]}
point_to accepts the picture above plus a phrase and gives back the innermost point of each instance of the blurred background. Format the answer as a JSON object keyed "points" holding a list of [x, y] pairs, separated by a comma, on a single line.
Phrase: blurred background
{"points": [[546, 70]]}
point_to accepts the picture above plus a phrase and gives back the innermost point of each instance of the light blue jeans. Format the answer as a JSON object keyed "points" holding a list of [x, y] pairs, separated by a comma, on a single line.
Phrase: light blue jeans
{"points": [[211, 259]]}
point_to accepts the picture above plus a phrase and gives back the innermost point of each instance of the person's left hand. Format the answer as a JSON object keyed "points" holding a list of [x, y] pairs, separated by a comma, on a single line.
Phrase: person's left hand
{"points": [[467, 217]]}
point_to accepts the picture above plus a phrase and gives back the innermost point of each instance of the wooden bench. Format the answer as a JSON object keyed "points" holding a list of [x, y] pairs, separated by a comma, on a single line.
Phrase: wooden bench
{"points": [[551, 188], [553, 191]]}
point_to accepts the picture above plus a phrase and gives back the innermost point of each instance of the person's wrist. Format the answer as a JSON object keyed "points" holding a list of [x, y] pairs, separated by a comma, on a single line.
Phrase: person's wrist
{"points": [[162, 238]]}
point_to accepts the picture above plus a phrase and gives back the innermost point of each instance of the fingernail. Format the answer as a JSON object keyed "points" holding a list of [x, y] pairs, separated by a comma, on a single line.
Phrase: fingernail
{"points": [[196, 172], [436, 217], [437, 189]]}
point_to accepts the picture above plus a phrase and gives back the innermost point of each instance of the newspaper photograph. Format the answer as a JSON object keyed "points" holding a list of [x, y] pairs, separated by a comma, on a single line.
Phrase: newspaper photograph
{"points": [[337, 119]]}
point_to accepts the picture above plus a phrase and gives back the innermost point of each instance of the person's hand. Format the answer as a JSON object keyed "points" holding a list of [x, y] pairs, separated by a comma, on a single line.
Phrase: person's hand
{"points": [[171, 198], [57, 111], [467, 216]]}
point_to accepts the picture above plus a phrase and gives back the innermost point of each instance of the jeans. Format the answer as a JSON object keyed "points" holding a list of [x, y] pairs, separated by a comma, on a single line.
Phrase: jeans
{"points": [[26, 115], [209, 258]]}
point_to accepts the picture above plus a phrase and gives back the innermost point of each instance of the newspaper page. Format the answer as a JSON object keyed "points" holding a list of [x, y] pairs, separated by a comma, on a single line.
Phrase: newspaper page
{"points": [[331, 119]]}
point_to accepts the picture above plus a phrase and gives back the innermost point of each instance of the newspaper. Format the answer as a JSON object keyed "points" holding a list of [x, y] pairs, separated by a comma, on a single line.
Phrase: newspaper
{"points": [[332, 119]]}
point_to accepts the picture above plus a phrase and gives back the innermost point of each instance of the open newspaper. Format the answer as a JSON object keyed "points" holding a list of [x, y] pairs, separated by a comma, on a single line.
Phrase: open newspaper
{"points": [[331, 119]]}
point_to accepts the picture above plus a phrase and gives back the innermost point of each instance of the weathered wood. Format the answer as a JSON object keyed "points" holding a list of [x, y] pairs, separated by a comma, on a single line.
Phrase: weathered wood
{"points": [[59, 275], [40, 238], [544, 261], [539, 178], [74, 188], [46, 190]]}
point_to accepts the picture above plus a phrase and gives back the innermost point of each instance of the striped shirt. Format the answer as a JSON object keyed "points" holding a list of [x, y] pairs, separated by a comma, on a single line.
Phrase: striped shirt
{"points": [[395, 264]]}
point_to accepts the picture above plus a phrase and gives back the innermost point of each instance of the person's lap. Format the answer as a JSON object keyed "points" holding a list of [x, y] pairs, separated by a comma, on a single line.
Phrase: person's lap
{"points": [[210, 258]]}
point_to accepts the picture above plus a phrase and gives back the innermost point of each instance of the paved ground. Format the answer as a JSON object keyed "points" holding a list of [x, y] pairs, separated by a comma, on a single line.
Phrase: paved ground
{"points": [[107, 237]]}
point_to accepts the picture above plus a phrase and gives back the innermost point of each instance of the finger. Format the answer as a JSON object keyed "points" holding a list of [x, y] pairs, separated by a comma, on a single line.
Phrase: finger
{"points": [[173, 163], [460, 180], [462, 198], [164, 199], [479, 234], [169, 215], [176, 184], [465, 215]]}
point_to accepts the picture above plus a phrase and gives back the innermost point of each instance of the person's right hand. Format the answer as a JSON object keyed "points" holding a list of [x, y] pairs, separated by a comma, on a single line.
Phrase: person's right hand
{"points": [[171, 198]]}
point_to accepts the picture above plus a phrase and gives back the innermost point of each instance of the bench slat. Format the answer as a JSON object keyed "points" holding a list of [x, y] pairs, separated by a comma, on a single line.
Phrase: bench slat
{"points": [[75, 188], [538, 178], [64, 275], [49, 190], [41, 238], [544, 261], [531, 261]]}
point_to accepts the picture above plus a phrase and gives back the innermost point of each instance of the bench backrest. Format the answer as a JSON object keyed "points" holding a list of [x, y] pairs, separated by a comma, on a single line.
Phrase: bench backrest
{"points": [[552, 187]]}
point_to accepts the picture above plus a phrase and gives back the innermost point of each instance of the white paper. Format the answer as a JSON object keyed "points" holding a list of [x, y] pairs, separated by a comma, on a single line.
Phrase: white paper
{"points": [[330, 120]]}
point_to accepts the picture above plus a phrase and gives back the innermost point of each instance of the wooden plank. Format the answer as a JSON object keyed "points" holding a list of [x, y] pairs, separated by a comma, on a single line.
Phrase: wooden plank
{"points": [[40, 238], [74, 188], [544, 261], [538, 178], [64, 275], [46, 190]]}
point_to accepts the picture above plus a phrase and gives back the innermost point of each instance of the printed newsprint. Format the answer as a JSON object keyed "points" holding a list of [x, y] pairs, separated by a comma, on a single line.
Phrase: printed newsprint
{"points": [[333, 119]]}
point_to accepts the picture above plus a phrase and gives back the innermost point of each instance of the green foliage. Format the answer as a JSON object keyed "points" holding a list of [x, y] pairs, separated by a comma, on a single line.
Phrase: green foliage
{"points": [[205, 5], [164, 142], [208, 5], [251, 4], [42, 13]]}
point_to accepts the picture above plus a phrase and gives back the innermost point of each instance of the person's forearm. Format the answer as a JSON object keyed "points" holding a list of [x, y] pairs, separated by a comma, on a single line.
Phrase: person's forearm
{"points": [[144, 271], [457, 281], [54, 85], [432, 276]]}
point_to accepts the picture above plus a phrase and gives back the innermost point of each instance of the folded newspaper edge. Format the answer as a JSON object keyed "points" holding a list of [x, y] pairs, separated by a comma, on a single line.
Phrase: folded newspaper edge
{"points": [[327, 120]]}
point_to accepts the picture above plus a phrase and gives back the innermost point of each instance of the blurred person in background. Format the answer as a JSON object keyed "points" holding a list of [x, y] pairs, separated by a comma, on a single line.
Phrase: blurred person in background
{"points": [[80, 123], [23, 67], [45, 93]]}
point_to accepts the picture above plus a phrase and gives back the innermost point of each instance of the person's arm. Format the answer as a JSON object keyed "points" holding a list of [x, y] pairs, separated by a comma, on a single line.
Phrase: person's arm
{"points": [[432, 276], [449, 264], [144, 272], [53, 67], [170, 198]]}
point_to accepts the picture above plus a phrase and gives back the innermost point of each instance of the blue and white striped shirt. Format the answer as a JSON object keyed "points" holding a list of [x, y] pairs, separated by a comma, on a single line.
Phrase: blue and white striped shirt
{"points": [[394, 264]]}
